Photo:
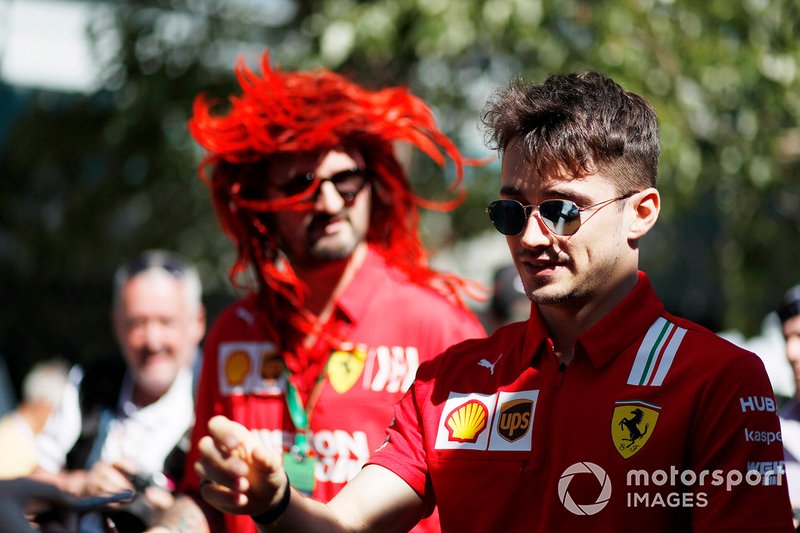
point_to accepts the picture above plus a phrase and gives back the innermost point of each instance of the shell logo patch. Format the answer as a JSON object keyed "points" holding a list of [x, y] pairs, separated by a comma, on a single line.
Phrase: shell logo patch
{"points": [[467, 421], [237, 366], [632, 423], [345, 367], [249, 368], [491, 422]]}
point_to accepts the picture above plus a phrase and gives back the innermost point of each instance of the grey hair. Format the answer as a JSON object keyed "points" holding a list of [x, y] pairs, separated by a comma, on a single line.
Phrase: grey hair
{"points": [[164, 262]]}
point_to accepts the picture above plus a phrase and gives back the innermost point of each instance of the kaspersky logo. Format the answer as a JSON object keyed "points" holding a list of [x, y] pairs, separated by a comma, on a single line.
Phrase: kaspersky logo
{"points": [[584, 508]]}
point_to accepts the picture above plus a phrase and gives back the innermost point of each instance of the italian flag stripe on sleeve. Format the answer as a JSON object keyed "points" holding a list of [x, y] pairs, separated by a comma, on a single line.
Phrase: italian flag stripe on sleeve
{"points": [[655, 355]]}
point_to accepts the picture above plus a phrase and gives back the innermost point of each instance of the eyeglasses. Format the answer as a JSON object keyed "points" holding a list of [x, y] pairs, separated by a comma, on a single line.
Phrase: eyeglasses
{"points": [[561, 217], [348, 184]]}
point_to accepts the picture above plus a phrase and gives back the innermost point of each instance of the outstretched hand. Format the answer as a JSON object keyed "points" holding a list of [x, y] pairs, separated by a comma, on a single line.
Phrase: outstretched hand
{"points": [[239, 474]]}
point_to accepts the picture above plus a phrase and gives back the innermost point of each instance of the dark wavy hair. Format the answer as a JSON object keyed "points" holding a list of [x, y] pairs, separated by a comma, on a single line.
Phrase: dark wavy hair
{"points": [[579, 123]]}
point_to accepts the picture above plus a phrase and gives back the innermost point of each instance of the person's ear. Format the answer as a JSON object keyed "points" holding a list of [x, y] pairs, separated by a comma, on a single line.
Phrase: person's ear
{"points": [[200, 323], [646, 205]]}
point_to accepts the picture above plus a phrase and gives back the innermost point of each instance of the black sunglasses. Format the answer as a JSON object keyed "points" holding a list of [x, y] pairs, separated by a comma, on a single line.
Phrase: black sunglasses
{"points": [[561, 217], [348, 184]]}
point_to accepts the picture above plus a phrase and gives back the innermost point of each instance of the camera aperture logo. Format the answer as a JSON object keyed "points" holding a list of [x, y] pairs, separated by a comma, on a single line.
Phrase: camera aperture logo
{"points": [[584, 508], [670, 488]]}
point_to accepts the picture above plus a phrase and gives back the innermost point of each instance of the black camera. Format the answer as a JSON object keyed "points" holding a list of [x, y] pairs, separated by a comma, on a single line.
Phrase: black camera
{"points": [[137, 515]]}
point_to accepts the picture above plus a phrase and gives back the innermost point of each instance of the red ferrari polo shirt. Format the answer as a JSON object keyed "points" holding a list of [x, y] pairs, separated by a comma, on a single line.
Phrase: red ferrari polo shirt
{"points": [[657, 424], [391, 325]]}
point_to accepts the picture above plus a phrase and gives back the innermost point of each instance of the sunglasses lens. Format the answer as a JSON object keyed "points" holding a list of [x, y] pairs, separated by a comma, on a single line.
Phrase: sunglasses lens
{"points": [[348, 184], [297, 185], [507, 216], [561, 216]]}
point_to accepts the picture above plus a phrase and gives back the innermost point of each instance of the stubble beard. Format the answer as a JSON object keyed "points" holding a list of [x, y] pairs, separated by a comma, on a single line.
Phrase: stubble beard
{"points": [[574, 291], [321, 251], [540, 294], [328, 248]]}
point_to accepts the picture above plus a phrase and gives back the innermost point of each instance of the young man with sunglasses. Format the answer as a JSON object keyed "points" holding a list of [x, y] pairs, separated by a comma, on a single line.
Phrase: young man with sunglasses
{"points": [[305, 180], [602, 412]]}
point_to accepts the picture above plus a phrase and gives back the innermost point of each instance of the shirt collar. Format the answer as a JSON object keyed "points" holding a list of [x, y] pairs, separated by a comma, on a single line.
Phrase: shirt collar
{"points": [[624, 325], [615, 332], [535, 335]]}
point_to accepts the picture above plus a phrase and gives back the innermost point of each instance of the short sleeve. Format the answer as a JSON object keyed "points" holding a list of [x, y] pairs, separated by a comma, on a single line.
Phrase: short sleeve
{"points": [[736, 441], [403, 452]]}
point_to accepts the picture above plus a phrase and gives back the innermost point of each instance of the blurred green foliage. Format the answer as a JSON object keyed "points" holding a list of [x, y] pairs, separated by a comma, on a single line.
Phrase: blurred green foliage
{"points": [[90, 180]]}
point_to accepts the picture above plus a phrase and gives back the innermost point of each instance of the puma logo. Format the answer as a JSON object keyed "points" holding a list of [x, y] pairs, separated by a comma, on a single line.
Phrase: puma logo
{"points": [[486, 364], [245, 315]]}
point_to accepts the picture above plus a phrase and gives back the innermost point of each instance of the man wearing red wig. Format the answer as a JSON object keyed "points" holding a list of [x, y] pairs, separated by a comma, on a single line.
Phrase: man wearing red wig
{"points": [[305, 181]]}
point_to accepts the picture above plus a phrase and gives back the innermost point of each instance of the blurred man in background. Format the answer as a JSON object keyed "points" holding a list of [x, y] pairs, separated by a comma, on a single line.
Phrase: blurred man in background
{"points": [[789, 314], [305, 180], [42, 390], [122, 420], [509, 302]]}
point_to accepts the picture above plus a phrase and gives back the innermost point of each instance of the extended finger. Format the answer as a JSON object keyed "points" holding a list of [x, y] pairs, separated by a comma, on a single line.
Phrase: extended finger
{"points": [[230, 437], [218, 466]]}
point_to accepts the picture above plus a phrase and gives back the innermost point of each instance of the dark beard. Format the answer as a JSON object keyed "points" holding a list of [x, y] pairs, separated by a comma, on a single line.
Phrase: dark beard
{"points": [[320, 253]]}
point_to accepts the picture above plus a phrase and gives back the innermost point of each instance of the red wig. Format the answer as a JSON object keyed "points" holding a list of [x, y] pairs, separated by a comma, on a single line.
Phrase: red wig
{"points": [[303, 112]]}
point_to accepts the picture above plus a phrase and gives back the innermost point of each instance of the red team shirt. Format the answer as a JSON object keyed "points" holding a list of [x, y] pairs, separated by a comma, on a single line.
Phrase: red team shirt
{"points": [[392, 325], [653, 426]]}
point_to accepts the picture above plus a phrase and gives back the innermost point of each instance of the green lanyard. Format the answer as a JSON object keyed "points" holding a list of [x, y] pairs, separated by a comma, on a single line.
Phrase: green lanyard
{"points": [[299, 413], [299, 418], [297, 463]]}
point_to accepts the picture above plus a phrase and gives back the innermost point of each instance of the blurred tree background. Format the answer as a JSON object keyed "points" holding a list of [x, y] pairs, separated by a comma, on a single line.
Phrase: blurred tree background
{"points": [[90, 179]]}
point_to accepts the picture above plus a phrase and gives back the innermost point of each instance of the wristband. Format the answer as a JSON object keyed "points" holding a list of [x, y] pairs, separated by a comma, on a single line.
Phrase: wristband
{"points": [[273, 513]]}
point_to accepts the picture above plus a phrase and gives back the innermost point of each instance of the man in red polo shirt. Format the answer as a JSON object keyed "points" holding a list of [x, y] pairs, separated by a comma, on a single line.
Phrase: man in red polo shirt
{"points": [[601, 412], [305, 180]]}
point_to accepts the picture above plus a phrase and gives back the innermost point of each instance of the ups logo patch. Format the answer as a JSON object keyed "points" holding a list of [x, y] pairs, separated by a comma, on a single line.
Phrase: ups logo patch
{"points": [[515, 419]]}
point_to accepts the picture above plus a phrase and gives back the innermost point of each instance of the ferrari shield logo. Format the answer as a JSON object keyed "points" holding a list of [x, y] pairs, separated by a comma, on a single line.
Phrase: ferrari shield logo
{"points": [[345, 367], [631, 425]]}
